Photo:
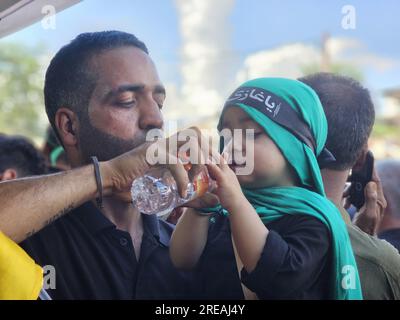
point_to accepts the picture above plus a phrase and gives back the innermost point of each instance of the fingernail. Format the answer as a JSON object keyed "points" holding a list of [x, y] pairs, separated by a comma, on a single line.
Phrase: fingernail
{"points": [[372, 190]]}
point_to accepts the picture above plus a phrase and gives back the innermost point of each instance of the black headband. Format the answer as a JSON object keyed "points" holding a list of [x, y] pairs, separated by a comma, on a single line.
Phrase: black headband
{"points": [[279, 111]]}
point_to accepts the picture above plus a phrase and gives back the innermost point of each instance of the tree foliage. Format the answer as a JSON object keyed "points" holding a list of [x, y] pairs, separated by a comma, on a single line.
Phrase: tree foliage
{"points": [[21, 91]]}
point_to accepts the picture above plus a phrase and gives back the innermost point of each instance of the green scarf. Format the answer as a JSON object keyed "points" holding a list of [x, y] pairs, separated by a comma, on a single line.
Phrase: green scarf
{"points": [[309, 198]]}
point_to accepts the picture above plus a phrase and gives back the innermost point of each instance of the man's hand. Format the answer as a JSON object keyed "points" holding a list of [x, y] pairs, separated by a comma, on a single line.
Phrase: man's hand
{"points": [[370, 215], [119, 173], [43, 199]]}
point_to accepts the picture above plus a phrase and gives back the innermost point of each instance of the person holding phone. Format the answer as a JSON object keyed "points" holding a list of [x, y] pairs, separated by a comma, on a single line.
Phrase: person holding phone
{"points": [[350, 114], [389, 228]]}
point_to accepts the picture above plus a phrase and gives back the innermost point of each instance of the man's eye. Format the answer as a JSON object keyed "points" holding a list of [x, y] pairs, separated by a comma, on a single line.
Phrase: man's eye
{"points": [[258, 134], [159, 98], [126, 103]]}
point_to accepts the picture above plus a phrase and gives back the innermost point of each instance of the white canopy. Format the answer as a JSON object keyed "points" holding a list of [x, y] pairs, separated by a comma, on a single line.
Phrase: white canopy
{"points": [[18, 14]]}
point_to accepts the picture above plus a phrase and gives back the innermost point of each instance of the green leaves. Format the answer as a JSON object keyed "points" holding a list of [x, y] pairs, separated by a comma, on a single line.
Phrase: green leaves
{"points": [[22, 108]]}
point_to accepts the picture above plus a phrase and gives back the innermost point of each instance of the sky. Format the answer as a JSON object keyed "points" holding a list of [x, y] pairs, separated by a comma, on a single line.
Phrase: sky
{"points": [[204, 48]]}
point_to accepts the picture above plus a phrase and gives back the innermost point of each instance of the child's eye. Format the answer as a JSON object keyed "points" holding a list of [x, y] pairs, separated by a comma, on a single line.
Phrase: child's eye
{"points": [[258, 134]]}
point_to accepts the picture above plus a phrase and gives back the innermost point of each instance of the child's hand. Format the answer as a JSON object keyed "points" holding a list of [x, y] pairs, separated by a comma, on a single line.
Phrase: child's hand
{"points": [[228, 188]]}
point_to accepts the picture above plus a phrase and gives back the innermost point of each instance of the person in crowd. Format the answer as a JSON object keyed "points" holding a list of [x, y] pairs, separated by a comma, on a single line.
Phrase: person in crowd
{"points": [[20, 277], [19, 158], [389, 228], [350, 115]]}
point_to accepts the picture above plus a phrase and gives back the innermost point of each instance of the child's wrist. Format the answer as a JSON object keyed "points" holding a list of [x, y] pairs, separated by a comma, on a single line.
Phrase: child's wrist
{"points": [[237, 202], [200, 212]]}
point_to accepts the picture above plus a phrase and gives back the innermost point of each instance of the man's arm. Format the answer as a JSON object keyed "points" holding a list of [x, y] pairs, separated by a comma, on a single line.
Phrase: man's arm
{"points": [[28, 205]]}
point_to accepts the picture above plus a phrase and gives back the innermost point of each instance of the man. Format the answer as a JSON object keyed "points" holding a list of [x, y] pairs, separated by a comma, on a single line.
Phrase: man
{"points": [[350, 114], [389, 229], [19, 158], [102, 95]]}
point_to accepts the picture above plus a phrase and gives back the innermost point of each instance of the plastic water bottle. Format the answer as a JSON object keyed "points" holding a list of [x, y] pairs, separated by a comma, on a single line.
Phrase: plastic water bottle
{"points": [[157, 191]]}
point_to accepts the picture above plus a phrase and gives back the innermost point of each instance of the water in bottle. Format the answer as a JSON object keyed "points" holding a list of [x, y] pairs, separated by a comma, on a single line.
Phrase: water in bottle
{"points": [[157, 191]]}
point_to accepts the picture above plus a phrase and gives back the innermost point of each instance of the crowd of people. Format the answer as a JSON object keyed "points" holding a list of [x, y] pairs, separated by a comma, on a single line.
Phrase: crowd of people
{"points": [[281, 232]]}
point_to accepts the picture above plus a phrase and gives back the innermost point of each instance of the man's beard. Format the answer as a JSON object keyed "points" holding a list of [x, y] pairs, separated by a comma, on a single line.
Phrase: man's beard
{"points": [[95, 142]]}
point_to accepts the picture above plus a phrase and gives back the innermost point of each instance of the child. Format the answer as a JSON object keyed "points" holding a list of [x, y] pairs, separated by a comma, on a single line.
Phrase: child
{"points": [[275, 225]]}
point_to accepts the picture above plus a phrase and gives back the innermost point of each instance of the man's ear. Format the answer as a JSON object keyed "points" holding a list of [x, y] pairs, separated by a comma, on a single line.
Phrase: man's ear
{"points": [[9, 174], [67, 124]]}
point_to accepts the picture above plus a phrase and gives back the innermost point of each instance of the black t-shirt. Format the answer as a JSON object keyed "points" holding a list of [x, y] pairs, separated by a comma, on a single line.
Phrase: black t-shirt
{"points": [[296, 262], [95, 260]]}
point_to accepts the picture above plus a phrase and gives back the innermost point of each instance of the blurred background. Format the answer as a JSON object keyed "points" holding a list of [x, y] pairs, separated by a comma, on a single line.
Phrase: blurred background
{"points": [[205, 48]]}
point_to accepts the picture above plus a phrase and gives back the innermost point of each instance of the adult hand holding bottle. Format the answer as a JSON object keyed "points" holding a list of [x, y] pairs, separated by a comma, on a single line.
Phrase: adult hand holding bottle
{"points": [[41, 200], [120, 172]]}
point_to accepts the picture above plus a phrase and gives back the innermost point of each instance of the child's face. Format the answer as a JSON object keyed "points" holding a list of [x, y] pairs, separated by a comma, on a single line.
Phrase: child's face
{"points": [[270, 167]]}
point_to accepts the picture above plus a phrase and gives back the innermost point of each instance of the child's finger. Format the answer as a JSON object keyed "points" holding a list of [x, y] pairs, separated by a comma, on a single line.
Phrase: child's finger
{"points": [[214, 157], [214, 171], [224, 160]]}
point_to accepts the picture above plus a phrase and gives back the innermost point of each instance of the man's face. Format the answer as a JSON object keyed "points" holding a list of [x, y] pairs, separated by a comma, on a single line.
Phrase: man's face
{"points": [[126, 103]]}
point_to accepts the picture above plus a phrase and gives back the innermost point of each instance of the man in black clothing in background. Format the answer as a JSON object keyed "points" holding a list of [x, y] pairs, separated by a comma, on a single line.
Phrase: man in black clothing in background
{"points": [[102, 95]]}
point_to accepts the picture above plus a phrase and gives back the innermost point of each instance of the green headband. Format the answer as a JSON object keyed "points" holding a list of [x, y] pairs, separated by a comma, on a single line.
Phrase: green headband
{"points": [[279, 111]]}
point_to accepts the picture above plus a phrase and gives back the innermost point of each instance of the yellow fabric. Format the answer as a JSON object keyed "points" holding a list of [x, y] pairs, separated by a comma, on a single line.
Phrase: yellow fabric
{"points": [[20, 277]]}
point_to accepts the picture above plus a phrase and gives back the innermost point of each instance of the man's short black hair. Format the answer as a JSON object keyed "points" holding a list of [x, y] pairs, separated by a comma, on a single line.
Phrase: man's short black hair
{"points": [[19, 154], [70, 80], [350, 114]]}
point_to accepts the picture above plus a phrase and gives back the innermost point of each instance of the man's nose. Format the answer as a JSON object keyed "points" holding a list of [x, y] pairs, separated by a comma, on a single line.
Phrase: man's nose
{"points": [[151, 116]]}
